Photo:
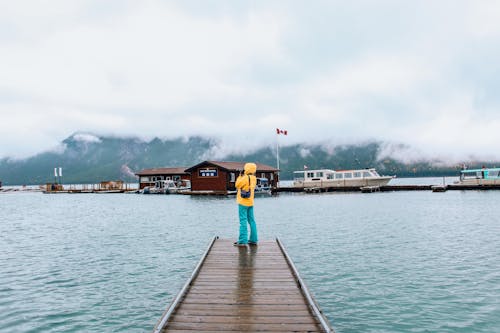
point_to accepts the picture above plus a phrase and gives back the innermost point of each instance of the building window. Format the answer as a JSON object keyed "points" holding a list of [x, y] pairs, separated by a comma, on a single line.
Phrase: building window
{"points": [[208, 173], [233, 177]]}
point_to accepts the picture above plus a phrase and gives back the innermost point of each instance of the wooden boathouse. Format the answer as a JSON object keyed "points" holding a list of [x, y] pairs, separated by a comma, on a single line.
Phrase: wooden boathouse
{"points": [[220, 177], [149, 177], [244, 289]]}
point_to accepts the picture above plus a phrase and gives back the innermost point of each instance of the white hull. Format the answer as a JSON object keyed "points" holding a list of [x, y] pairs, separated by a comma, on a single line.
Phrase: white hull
{"points": [[326, 178], [467, 182], [382, 181], [262, 192]]}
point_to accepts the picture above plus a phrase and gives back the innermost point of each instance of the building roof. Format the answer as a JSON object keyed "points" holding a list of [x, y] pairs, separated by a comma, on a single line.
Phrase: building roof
{"points": [[162, 171], [233, 166]]}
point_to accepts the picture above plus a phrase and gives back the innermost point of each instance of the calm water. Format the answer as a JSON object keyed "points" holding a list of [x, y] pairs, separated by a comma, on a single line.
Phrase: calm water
{"points": [[380, 262]]}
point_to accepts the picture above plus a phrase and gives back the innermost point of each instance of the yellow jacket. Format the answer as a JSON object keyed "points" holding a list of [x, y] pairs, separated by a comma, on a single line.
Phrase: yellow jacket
{"points": [[243, 182]]}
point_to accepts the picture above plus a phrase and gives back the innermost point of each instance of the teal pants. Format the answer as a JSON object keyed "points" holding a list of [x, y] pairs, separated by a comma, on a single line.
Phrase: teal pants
{"points": [[246, 217]]}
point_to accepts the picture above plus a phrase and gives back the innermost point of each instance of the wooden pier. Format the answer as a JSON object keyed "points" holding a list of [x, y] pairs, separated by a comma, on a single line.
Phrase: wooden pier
{"points": [[244, 289], [385, 188]]}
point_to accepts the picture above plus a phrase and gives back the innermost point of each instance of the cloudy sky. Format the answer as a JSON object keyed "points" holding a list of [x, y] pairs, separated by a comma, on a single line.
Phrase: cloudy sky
{"points": [[422, 73]]}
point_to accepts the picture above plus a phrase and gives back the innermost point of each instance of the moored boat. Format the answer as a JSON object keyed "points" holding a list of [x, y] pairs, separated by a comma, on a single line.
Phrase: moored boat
{"points": [[483, 176], [168, 187], [262, 187], [326, 178]]}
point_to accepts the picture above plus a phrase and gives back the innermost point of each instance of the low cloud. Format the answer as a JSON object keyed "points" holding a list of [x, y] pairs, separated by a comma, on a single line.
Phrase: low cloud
{"points": [[421, 74], [85, 137]]}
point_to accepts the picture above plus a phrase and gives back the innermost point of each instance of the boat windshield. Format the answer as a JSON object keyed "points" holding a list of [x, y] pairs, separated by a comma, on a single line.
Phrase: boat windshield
{"points": [[494, 174], [298, 175], [471, 174]]}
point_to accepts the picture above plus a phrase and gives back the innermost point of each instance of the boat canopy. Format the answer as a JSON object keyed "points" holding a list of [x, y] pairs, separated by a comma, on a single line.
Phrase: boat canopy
{"points": [[486, 173], [479, 170]]}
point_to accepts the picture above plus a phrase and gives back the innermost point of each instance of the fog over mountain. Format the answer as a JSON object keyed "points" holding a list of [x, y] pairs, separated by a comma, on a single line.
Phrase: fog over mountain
{"points": [[422, 73], [88, 158]]}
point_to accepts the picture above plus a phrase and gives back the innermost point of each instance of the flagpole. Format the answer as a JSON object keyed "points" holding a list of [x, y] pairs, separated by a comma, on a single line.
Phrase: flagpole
{"points": [[278, 132], [278, 152]]}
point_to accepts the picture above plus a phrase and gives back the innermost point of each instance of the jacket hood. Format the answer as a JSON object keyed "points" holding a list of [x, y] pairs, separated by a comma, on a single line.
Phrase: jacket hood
{"points": [[250, 168]]}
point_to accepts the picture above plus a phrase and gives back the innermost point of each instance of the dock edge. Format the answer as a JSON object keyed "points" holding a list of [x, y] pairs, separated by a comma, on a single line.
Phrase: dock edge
{"points": [[305, 291]]}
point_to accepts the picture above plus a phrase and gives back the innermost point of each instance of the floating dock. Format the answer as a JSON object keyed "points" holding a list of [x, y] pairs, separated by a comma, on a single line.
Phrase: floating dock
{"points": [[244, 289], [56, 188], [385, 188], [390, 188]]}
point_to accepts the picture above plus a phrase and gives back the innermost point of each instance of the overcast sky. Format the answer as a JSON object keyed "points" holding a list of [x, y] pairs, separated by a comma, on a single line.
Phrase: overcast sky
{"points": [[423, 73]]}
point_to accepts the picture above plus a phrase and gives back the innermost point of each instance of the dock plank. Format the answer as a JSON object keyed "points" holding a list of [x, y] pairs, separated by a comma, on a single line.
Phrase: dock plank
{"points": [[243, 289]]}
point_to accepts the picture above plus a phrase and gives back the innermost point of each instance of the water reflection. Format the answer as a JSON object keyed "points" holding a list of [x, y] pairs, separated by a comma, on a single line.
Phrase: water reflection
{"points": [[245, 280]]}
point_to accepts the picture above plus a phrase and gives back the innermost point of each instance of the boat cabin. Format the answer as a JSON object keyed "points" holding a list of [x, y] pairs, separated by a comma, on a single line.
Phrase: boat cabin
{"points": [[480, 176], [327, 174], [326, 178]]}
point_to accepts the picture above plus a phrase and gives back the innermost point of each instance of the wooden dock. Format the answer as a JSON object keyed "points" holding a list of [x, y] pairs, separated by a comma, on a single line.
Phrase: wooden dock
{"points": [[385, 188], [244, 289], [391, 188]]}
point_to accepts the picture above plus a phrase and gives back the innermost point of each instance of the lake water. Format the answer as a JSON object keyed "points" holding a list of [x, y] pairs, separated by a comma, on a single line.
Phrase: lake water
{"points": [[379, 262]]}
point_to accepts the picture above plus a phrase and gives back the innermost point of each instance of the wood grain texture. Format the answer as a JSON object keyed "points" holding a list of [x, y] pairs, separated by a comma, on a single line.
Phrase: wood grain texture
{"points": [[243, 289]]}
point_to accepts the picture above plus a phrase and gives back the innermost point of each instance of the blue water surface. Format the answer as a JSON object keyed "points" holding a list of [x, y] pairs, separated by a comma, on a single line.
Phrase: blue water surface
{"points": [[378, 262]]}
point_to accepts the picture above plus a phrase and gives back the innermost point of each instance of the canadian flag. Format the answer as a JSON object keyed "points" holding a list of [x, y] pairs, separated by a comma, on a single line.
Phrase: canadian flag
{"points": [[280, 131]]}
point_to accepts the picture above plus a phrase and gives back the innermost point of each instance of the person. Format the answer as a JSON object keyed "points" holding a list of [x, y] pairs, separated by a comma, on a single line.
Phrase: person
{"points": [[246, 182]]}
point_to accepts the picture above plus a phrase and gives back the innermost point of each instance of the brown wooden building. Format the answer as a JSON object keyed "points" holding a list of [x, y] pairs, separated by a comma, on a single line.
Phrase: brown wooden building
{"points": [[149, 177], [220, 177]]}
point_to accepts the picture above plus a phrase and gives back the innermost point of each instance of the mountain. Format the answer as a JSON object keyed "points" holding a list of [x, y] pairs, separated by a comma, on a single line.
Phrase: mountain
{"points": [[342, 157], [87, 158]]}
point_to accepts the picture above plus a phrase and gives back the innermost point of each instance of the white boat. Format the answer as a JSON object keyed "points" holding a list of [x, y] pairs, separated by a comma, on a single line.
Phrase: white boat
{"points": [[168, 187], [178, 187], [483, 176], [326, 178], [262, 187]]}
